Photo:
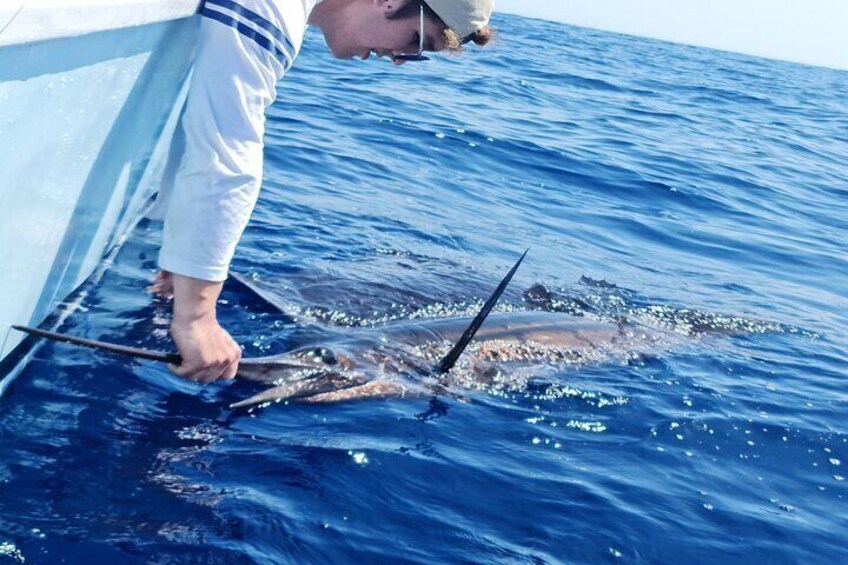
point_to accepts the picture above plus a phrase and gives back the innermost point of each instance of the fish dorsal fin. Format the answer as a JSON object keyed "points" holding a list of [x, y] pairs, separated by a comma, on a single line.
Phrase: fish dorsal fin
{"points": [[450, 359], [265, 295]]}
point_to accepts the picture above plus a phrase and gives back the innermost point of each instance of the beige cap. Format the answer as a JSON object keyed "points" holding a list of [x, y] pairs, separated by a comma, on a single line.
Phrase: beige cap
{"points": [[465, 17]]}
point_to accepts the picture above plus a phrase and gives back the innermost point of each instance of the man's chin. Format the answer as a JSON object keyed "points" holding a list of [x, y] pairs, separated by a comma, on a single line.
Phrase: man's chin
{"points": [[361, 55], [336, 50], [342, 52]]}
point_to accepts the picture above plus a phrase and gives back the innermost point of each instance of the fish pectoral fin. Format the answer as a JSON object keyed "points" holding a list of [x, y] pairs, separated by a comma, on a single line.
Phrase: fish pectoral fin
{"points": [[372, 390], [269, 395], [300, 389]]}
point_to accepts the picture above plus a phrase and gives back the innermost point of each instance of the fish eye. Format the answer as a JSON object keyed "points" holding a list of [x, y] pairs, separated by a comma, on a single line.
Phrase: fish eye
{"points": [[325, 355]]}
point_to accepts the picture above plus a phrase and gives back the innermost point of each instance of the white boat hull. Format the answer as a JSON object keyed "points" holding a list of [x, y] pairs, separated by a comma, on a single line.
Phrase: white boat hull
{"points": [[85, 125]]}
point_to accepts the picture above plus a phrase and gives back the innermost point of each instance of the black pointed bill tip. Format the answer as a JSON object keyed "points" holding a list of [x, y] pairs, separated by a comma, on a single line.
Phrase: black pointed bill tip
{"points": [[162, 357]]}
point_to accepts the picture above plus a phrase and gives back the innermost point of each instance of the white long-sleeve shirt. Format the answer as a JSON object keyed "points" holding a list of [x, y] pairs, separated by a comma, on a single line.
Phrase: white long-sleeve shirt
{"points": [[243, 49]]}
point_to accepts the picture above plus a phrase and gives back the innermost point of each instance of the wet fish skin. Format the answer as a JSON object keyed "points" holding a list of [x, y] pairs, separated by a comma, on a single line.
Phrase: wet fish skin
{"points": [[387, 361]]}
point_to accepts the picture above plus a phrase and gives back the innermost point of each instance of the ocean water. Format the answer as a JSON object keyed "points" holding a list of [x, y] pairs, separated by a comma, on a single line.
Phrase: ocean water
{"points": [[692, 192]]}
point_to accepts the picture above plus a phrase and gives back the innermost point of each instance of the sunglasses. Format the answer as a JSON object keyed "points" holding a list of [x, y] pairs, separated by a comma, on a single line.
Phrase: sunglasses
{"points": [[415, 56]]}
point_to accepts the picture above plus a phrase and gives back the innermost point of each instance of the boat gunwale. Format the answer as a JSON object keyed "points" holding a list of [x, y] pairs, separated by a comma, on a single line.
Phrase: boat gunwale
{"points": [[30, 21]]}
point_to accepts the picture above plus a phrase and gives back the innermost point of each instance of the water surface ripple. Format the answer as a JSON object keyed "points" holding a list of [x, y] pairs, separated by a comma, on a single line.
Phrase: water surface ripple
{"points": [[678, 187]]}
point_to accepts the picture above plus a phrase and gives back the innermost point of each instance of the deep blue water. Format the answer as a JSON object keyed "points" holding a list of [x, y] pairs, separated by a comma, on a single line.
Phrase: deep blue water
{"points": [[701, 187]]}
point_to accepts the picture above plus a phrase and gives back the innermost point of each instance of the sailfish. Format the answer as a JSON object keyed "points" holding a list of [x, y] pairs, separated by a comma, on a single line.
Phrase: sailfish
{"points": [[407, 358]]}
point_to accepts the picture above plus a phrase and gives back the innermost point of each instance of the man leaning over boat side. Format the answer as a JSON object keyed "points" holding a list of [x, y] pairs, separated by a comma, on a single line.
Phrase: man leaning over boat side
{"points": [[244, 48]]}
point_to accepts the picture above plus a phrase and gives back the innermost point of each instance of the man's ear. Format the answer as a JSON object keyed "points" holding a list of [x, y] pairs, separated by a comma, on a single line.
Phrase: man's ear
{"points": [[389, 7]]}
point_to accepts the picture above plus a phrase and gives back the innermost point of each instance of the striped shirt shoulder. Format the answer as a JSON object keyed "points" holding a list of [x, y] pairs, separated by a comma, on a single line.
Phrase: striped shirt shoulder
{"points": [[265, 22]]}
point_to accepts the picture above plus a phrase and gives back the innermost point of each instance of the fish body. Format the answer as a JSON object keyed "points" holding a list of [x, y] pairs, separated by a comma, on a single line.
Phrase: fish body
{"points": [[396, 360]]}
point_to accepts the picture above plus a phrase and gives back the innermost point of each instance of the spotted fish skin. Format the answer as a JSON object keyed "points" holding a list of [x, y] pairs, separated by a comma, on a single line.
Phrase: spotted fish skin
{"points": [[396, 360]]}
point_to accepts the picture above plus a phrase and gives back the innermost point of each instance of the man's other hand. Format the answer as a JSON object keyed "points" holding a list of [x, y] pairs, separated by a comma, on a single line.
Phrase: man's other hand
{"points": [[163, 285], [207, 350]]}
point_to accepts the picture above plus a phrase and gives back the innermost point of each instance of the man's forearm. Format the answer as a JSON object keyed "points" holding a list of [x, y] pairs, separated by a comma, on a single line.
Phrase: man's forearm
{"points": [[194, 299]]}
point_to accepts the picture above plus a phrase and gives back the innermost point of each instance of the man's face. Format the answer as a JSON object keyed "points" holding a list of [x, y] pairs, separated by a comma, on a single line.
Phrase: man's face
{"points": [[363, 29]]}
